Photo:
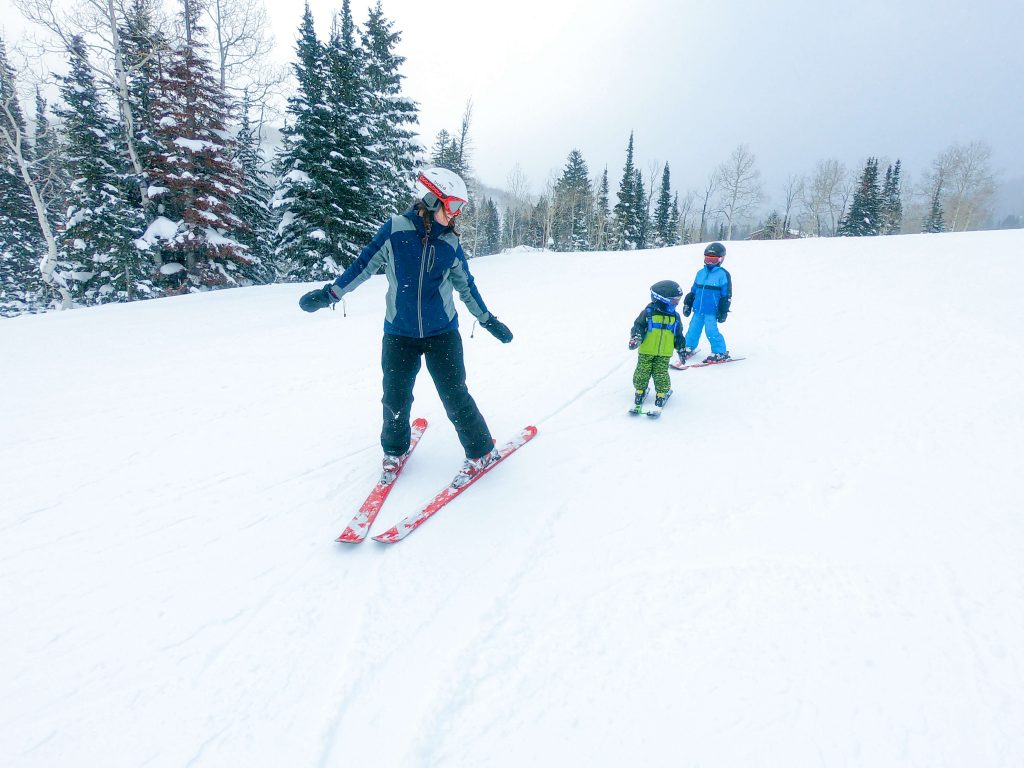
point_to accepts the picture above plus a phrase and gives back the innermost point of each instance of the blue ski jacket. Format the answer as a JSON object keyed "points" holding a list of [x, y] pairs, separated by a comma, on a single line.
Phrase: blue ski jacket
{"points": [[423, 273], [709, 287]]}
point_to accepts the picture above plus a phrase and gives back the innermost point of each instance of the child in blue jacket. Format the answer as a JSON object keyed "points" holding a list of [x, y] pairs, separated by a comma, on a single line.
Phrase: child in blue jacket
{"points": [[709, 301]]}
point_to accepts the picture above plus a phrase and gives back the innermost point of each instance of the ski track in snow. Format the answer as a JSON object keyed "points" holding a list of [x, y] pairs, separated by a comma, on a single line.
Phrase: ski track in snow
{"points": [[811, 558]]}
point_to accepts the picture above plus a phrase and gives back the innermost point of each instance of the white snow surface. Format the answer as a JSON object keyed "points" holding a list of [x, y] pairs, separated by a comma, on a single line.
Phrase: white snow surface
{"points": [[812, 558], [196, 145], [161, 228]]}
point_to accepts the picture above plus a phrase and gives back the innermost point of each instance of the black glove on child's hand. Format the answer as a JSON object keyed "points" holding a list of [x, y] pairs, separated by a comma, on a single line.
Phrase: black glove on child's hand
{"points": [[723, 309], [321, 298], [498, 329], [634, 342], [688, 304]]}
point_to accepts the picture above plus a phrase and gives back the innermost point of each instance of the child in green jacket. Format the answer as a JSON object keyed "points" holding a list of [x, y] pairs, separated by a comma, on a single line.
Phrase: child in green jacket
{"points": [[657, 332]]}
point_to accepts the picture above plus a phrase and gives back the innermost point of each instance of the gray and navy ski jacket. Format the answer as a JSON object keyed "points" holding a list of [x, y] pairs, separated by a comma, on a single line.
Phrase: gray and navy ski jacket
{"points": [[422, 273], [709, 288]]}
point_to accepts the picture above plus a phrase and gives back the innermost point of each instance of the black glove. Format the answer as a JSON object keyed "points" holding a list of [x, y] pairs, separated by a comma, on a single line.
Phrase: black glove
{"points": [[321, 298], [723, 308], [688, 304], [498, 329], [634, 342]]}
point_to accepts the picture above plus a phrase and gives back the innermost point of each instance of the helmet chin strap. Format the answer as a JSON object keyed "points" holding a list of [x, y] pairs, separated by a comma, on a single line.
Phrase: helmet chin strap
{"points": [[431, 206]]}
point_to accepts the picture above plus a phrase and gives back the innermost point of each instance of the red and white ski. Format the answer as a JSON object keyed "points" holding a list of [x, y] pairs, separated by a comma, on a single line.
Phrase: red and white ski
{"points": [[360, 525], [676, 366], [415, 520]]}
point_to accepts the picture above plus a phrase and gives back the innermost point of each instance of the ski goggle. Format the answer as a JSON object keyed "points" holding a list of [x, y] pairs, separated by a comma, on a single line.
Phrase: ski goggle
{"points": [[710, 258], [452, 205], [665, 299]]}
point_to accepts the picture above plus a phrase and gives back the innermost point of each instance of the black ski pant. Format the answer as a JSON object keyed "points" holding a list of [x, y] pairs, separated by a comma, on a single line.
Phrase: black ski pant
{"points": [[400, 361]]}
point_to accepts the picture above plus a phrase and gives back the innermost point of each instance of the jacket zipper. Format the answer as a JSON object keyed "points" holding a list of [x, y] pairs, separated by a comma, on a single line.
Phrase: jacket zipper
{"points": [[704, 288], [419, 292]]}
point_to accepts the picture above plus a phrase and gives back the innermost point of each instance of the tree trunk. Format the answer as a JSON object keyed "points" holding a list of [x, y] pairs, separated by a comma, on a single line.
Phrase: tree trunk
{"points": [[125, 105], [48, 265]]}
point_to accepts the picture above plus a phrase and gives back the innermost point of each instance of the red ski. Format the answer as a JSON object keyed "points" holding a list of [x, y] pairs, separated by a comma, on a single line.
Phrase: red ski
{"points": [[676, 366], [415, 520], [360, 525]]}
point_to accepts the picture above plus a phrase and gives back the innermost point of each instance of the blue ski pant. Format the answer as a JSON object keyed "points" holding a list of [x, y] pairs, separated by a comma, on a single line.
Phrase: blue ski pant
{"points": [[708, 324]]}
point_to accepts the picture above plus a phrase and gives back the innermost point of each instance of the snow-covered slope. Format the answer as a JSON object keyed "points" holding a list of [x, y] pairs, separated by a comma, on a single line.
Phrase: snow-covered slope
{"points": [[813, 558]]}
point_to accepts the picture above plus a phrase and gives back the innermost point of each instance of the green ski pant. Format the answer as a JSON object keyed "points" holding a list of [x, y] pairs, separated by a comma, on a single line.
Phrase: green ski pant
{"points": [[656, 366]]}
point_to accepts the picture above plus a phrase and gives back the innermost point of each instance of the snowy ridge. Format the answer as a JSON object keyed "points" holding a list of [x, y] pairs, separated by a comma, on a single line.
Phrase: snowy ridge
{"points": [[812, 558]]}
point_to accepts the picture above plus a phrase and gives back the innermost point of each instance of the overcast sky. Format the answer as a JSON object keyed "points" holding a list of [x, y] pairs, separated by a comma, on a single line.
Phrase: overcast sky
{"points": [[796, 80]]}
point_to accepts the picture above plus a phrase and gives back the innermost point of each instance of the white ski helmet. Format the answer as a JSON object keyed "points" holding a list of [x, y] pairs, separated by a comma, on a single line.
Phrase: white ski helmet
{"points": [[438, 186]]}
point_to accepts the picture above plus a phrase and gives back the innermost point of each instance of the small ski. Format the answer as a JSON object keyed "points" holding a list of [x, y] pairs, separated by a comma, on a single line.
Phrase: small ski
{"points": [[676, 366], [416, 519], [638, 409], [360, 525], [653, 413]]}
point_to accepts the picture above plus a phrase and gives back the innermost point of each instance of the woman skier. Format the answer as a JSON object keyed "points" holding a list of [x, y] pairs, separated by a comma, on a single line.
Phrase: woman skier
{"points": [[423, 260]]}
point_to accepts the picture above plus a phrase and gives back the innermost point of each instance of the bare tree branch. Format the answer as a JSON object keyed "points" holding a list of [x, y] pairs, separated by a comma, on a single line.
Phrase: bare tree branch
{"points": [[710, 187], [740, 186]]}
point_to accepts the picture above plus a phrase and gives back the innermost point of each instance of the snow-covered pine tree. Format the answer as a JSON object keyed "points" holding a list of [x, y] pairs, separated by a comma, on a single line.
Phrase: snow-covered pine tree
{"points": [[935, 222], [453, 151], [892, 204], [625, 220], [21, 289], [391, 115], [253, 204], [642, 211], [303, 250], [329, 209], [101, 222], [195, 178], [772, 227], [357, 206], [599, 229], [674, 225], [445, 152], [864, 216], [573, 200], [662, 224], [489, 226], [537, 230]]}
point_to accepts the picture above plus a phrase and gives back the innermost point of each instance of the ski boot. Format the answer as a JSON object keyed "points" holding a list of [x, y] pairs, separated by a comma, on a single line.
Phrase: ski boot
{"points": [[638, 401], [390, 467], [473, 467], [686, 353], [717, 358], [659, 404]]}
